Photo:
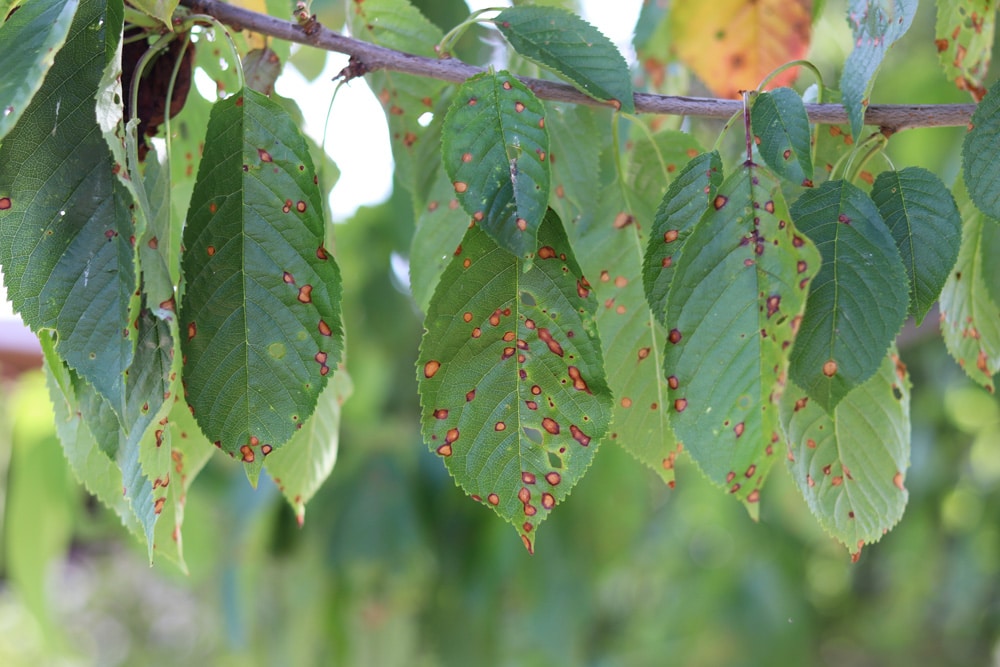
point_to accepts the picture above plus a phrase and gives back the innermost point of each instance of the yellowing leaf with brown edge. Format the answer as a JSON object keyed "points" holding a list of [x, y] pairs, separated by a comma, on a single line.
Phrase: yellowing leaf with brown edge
{"points": [[733, 44]]}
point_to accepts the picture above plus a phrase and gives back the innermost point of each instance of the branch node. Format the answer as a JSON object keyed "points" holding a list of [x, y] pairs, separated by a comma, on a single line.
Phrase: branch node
{"points": [[355, 68]]}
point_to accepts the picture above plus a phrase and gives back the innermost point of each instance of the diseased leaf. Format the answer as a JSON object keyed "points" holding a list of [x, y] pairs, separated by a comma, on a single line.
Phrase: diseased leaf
{"points": [[440, 228], [687, 199], [261, 67], [876, 25], [563, 42], [733, 310], [29, 42], [161, 10], [781, 130], [850, 465], [970, 318], [834, 144], [654, 161], [511, 376], [300, 467], [65, 224], [979, 155], [494, 149], [858, 301], [397, 24], [724, 43], [964, 39], [260, 318], [924, 221], [574, 159]]}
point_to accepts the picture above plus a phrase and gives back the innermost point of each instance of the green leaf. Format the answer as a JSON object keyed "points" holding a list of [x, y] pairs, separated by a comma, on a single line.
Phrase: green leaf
{"points": [[29, 42], [440, 228], [979, 155], [964, 39], [397, 24], [858, 301], [781, 130], [161, 10], [574, 159], [563, 42], [65, 224], [261, 67], [260, 318], [970, 318], [924, 221], [876, 25], [300, 467], [850, 465], [653, 162], [494, 149], [511, 376], [687, 198], [733, 310]]}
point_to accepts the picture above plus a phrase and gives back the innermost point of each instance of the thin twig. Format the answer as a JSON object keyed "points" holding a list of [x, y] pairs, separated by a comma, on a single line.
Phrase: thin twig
{"points": [[369, 57]]}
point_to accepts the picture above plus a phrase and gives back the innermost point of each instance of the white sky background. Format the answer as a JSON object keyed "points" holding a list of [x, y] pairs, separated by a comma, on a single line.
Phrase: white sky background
{"points": [[357, 138]]}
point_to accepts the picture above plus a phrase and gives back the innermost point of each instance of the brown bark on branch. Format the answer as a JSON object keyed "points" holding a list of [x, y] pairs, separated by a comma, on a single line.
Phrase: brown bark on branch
{"points": [[369, 57]]}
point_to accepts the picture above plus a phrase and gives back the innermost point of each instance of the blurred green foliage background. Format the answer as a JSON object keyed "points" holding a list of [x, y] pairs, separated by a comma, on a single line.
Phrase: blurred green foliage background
{"points": [[395, 567]]}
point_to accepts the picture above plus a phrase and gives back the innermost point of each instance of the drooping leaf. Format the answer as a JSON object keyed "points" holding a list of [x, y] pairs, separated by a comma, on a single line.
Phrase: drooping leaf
{"points": [[970, 318], [924, 221], [964, 39], [781, 130], [850, 465], [834, 143], [563, 42], [733, 310], [511, 376], [92, 467], [260, 318], [858, 301], [397, 24], [29, 42], [261, 67], [301, 466], [494, 149], [979, 155], [723, 41], [65, 225], [574, 160], [652, 162], [876, 25], [440, 228], [687, 198]]}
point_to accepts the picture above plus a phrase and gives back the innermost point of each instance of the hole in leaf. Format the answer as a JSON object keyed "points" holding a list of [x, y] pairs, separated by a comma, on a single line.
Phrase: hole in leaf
{"points": [[555, 461], [533, 434], [527, 299]]}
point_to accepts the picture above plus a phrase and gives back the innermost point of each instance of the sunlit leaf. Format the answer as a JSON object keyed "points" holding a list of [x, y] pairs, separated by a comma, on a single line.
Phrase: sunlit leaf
{"points": [[850, 465], [688, 197], [511, 376], [300, 467], [733, 44], [924, 221], [781, 130], [65, 224], [571, 47], [876, 25], [979, 155], [397, 24], [494, 149], [858, 301], [733, 310], [970, 318], [964, 39], [260, 319], [29, 42]]}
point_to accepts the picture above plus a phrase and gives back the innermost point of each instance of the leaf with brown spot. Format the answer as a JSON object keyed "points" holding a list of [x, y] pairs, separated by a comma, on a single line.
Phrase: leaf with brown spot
{"points": [[845, 464], [979, 155], [259, 361], [686, 200], [723, 43], [970, 318], [730, 361], [441, 224], [964, 38], [859, 300], [480, 383], [780, 123], [506, 182]]}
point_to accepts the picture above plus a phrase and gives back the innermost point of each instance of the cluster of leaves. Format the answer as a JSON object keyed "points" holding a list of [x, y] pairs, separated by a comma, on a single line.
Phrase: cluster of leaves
{"points": [[578, 287]]}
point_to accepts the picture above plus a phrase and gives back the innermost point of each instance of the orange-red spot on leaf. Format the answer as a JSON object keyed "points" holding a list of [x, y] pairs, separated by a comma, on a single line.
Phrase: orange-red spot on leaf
{"points": [[579, 435], [897, 479], [305, 294], [445, 450], [830, 368], [675, 336], [5, 203], [546, 252], [720, 201], [430, 368], [210, 250], [548, 501], [324, 328], [578, 382], [680, 404], [550, 425], [553, 345], [264, 155], [321, 253], [460, 187], [493, 499], [673, 382], [553, 478], [192, 330], [248, 455], [440, 413]]}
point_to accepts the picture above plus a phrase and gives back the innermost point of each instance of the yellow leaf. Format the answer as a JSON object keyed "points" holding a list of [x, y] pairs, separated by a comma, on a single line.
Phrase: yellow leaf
{"points": [[733, 44]]}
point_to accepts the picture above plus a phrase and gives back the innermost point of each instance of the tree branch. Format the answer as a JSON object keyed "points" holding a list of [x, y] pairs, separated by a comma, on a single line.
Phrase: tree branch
{"points": [[369, 57]]}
